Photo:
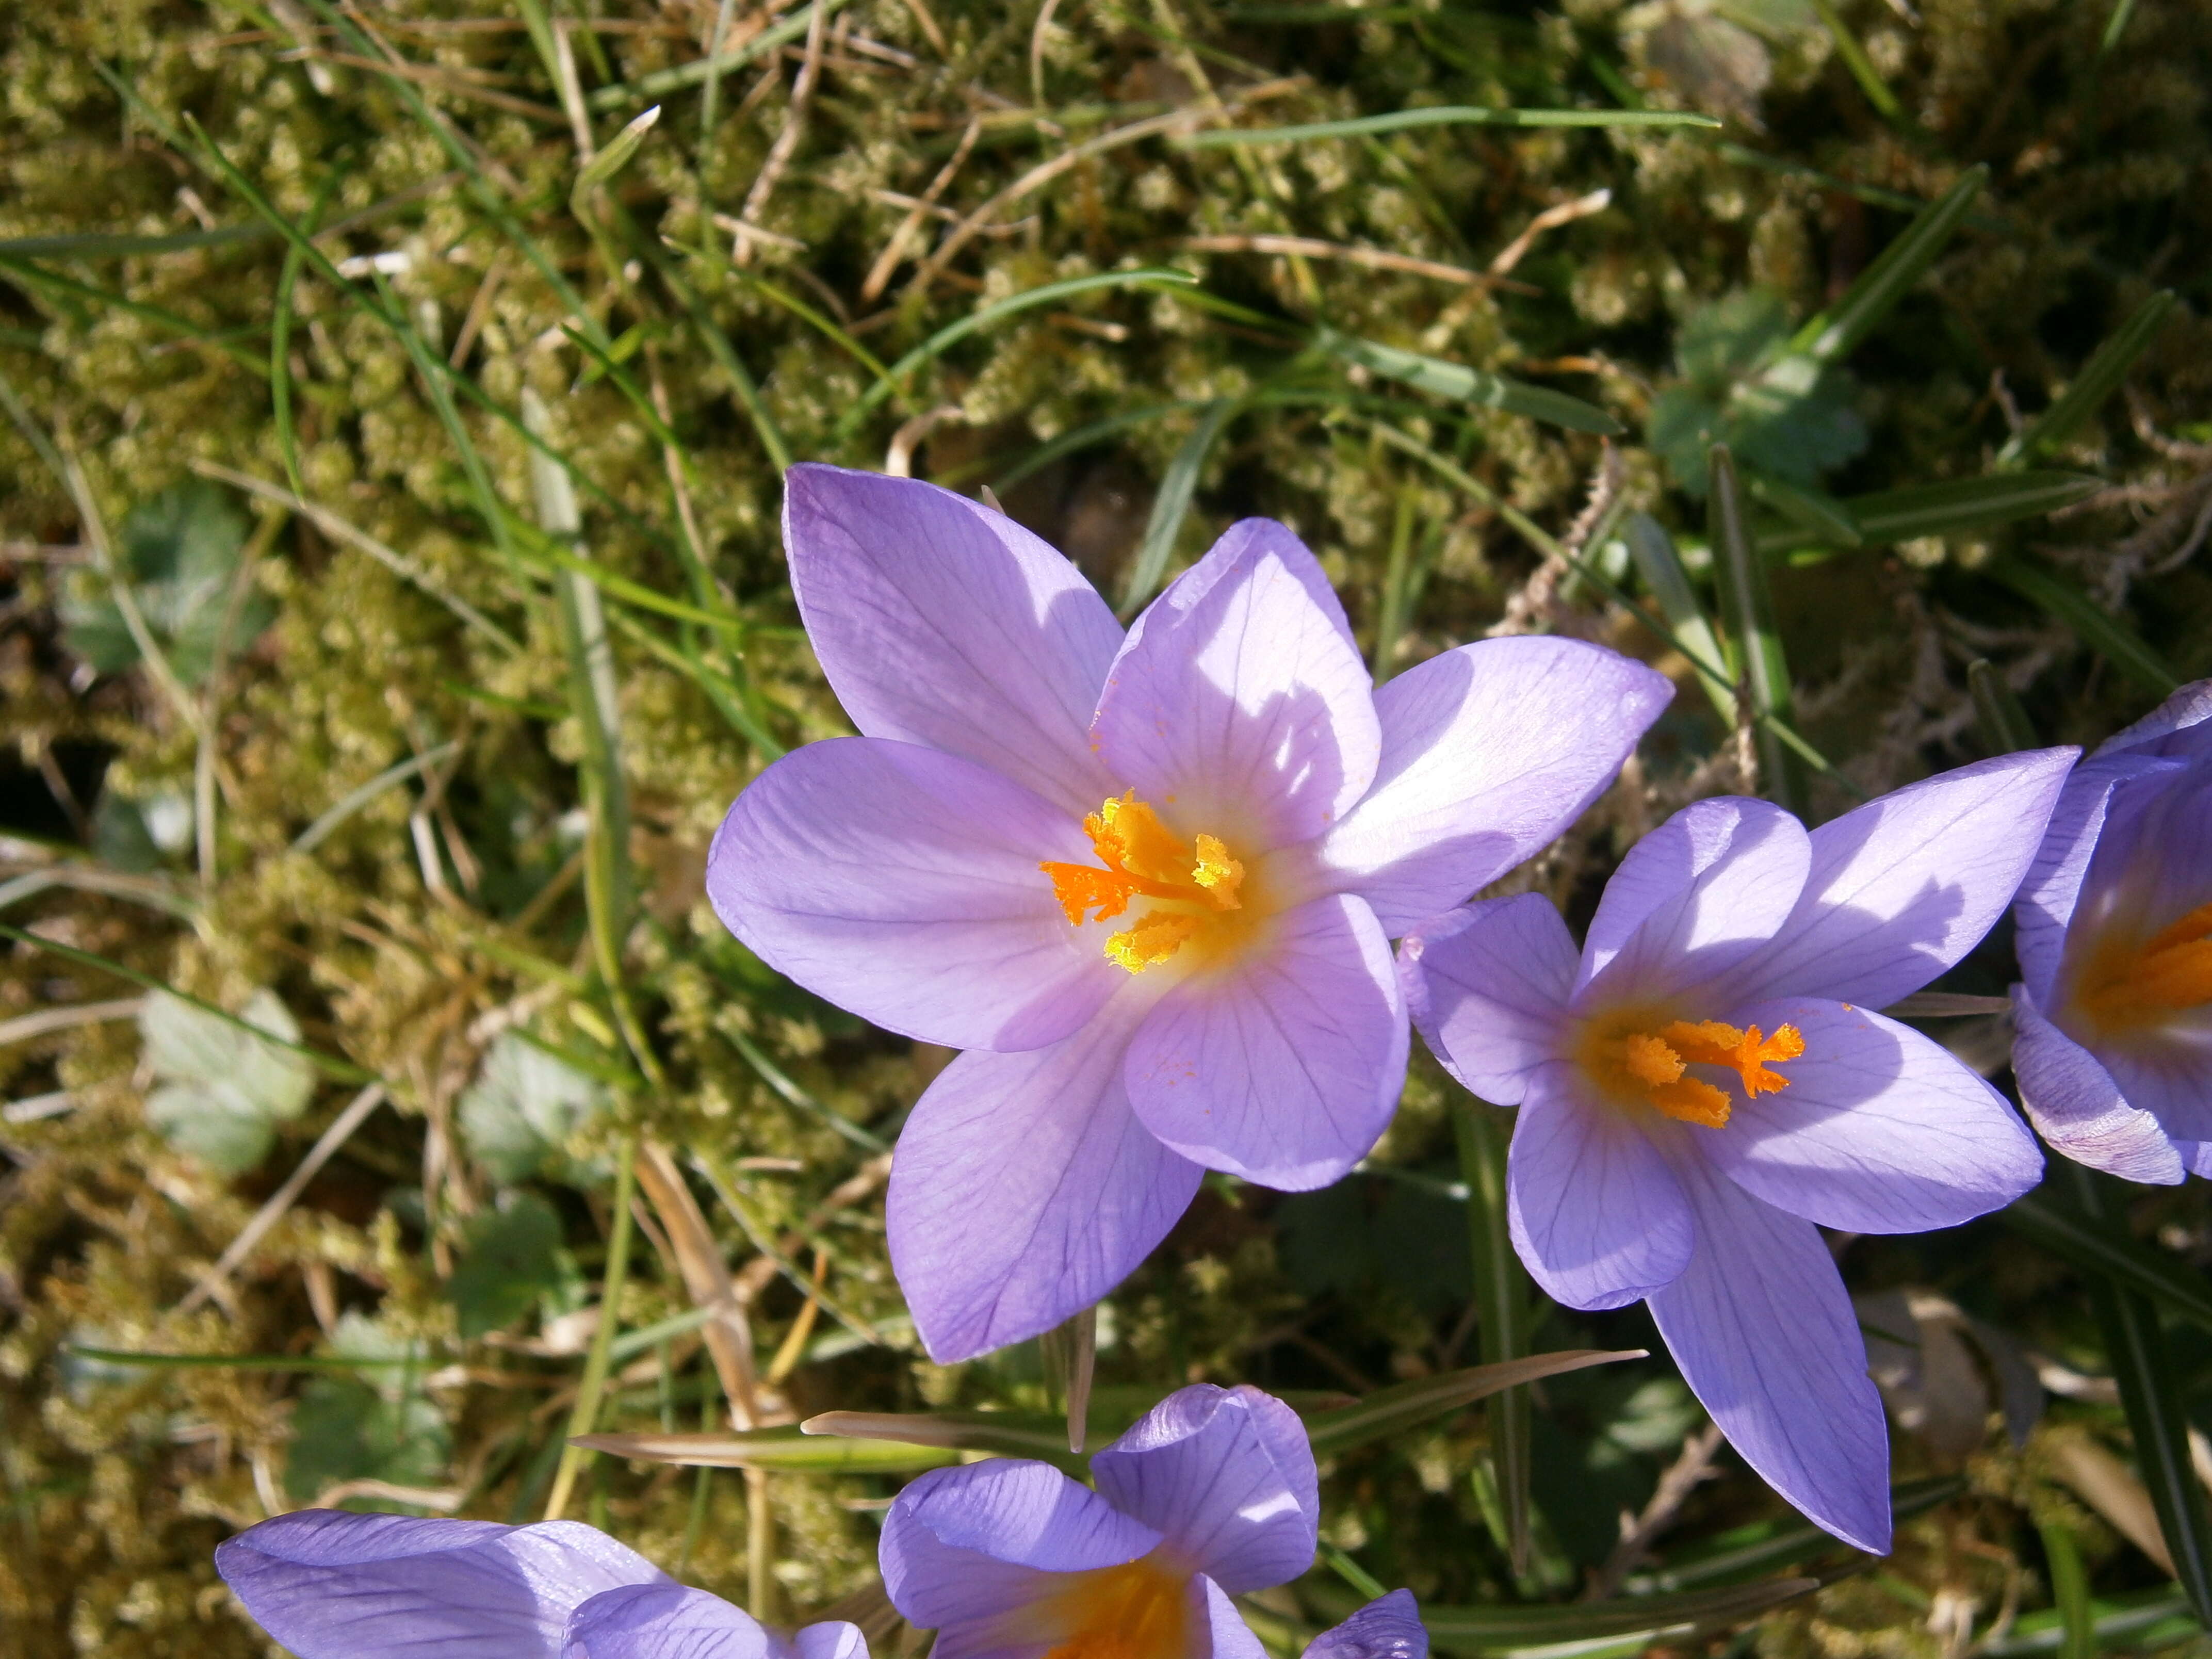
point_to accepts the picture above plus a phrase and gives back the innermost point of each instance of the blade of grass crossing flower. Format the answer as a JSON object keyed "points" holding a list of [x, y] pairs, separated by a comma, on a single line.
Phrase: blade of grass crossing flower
{"points": [[1749, 606], [2004, 723], [2099, 378], [1834, 332], [2069, 1591], [585, 1413], [2097, 629], [1002, 1434], [2150, 1394], [950, 336], [729, 700], [1503, 1315], [1394, 1410], [1172, 506], [786, 1449], [1467, 386], [2065, 1231], [1660, 567], [1442, 115], [1067, 443]]}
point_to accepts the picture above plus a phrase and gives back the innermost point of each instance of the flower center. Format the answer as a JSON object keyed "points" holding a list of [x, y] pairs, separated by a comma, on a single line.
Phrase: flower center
{"points": [[1135, 1611], [2126, 983], [1187, 886], [1642, 1057]]}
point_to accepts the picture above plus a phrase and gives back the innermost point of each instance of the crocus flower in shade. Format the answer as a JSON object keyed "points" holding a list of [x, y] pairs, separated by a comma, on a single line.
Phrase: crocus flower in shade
{"points": [[1212, 1494], [1147, 881], [332, 1585], [1389, 1628], [2112, 1043], [1706, 1080]]}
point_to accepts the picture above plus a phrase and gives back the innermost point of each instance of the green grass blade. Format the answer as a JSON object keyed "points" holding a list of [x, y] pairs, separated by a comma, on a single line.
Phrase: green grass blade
{"points": [[729, 700], [1479, 1629], [2116, 25], [1661, 568], [279, 337], [2099, 378], [1172, 506], [1503, 1315], [1749, 606], [2004, 723], [1442, 115], [1813, 511], [1788, 1542], [1067, 443], [950, 336], [785, 1450], [38, 278], [1469, 385], [104, 246], [2148, 1621], [390, 778], [2063, 1230], [792, 1094], [1861, 66], [1400, 584], [2069, 1592], [590, 1390], [1001, 1434], [1836, 331], [1957, 505], [1394, 1410], [2150, 1394], [661, 82], [229, 1362], [329, 1065], [2096, 628]]}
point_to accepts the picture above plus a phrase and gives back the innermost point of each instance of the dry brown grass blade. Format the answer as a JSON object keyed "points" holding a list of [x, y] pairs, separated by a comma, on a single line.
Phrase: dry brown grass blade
{"points": [[728, 1333]]}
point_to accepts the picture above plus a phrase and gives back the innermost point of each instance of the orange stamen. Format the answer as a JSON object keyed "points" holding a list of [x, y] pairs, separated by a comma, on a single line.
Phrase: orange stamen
{"points": [[1631, 1059], [2124, 985], [1139, 857]]}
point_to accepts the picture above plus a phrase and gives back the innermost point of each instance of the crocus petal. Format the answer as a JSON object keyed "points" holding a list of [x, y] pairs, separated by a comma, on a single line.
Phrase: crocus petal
{"points": [[1766, 1338], [1594, 1210], [1023, 1189], [1489, 751], [2169, 1074], [1699, 894], [2176, 727], [1488, 988], [1240, 697], [1389, 1628], [831, 1638], [902, 883], [330, 1584], [940, 621], [2052, 886], [1225, 1475], [2076, 1107], [1904, 886], [1878, 1129], [1226, 1634], [1286, 1068], [963, 1547], [663, 1621], [2197, 1155]]}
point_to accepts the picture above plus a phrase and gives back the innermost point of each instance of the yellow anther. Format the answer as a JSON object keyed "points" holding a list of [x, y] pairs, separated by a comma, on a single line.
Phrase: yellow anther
{"points": [[1632, 1060], [1140, 858], [2125, 984]]}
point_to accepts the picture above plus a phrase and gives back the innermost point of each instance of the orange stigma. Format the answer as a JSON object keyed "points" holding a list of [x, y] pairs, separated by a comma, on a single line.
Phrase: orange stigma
{"points": [[2125, 984], [1642, 1057], [1186, 883], [1138, 1610]]}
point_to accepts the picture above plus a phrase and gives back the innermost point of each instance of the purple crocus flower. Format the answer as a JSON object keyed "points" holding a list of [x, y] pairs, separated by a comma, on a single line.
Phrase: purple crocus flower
{"points": [[2112, 1042], [1212, 1494], [1389, 1628], [1707, 1079], [1147, 881], [332, 1584]]}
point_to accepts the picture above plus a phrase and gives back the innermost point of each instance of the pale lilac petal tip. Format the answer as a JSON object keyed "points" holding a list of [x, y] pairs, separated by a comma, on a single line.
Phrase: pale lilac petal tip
{"points": [[2177, 726], [962, 1548], [1240, 697], [2077, 1108], [1765, 1337], [1223, 1633], [832, 1638], [1487, 987], [902, 883], [1593, 1208], [1878, 1129], [1903, 887], [1227, 1477], [1489, 751], [1285, 1070], [1694, 898], [663, 1621], [332, 1585], [2197, 1155], [1389, 1628], [1023, 1189], [941, 622]]}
